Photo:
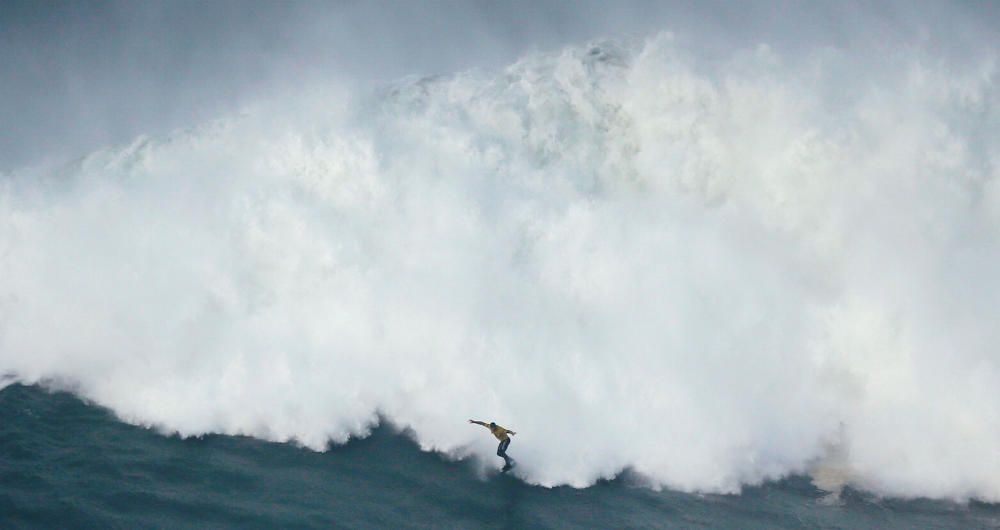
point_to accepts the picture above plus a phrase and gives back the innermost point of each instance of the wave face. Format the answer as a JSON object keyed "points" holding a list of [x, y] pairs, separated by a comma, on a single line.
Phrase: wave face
{"points": [[713, 273]]}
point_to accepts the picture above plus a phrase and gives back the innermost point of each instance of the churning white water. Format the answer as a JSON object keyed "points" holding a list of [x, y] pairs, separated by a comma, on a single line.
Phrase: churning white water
{"points": [[711, 272]]}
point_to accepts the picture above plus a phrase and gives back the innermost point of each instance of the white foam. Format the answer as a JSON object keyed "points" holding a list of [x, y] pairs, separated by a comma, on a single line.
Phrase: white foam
{"points": [[710, 273]]}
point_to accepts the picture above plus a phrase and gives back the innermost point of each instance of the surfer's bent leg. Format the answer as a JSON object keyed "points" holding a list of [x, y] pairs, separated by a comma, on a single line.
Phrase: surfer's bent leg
{"points": [[502, 448], [502, 452]]}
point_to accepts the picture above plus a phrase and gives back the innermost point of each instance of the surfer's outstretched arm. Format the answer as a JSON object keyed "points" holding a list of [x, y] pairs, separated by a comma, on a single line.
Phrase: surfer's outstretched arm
{"points": [[479, 423]]}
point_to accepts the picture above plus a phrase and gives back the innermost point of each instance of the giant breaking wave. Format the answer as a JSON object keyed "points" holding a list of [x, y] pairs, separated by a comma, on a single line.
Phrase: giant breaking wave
{"points": [[709, 272]]}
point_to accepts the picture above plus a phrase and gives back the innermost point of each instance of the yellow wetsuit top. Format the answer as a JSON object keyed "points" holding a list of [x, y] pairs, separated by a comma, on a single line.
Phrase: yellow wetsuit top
{"points": [[499, 432]]}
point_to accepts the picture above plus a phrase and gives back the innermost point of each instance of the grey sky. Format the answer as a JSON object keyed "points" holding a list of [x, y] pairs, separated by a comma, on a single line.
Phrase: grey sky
{"points": [[76, 76]]}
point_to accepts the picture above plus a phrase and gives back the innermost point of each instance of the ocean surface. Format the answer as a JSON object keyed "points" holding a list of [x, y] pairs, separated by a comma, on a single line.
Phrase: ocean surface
{"points": [[67, 464]]}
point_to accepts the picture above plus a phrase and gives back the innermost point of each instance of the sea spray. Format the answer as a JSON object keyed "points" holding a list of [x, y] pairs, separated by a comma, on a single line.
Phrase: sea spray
{"points": [[710, 273]]}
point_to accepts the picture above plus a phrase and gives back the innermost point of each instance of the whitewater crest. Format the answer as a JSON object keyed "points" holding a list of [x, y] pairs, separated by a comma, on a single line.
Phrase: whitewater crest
{"points": [[707, 272]]}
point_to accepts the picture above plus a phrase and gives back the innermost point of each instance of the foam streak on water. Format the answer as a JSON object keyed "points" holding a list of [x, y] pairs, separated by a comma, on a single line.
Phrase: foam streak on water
{"points": [[712, 273]]}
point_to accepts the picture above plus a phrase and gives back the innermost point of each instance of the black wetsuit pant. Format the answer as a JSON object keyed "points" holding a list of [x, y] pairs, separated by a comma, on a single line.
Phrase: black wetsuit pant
{"points": [[502, 451]]}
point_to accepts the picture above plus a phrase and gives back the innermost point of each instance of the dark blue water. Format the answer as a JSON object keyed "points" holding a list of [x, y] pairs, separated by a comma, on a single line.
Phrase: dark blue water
{"points": [[67, 464]]}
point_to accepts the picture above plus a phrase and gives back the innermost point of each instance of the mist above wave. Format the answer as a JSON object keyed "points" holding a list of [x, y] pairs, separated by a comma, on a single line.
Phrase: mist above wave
{"points": [[712, 273]]}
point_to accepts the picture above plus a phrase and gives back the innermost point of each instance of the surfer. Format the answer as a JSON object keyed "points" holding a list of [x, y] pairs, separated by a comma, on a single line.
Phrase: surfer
{"points": [[501, 435]]}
